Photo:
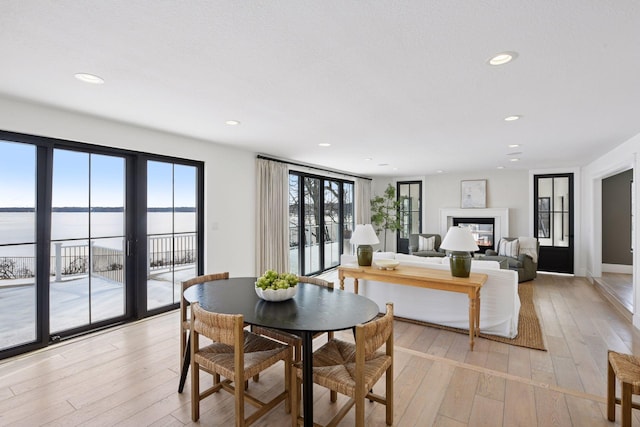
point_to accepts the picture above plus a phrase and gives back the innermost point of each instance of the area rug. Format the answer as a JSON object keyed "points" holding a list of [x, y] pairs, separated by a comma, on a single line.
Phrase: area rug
{"points": [[529, 330]]}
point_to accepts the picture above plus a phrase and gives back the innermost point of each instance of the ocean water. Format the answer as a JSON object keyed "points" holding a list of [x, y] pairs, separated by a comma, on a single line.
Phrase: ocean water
{"points": [[20, 228]]}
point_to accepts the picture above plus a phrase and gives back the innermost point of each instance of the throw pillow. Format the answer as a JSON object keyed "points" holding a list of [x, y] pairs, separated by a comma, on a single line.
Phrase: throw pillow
{"points": [[426, 243], [509, 248]]}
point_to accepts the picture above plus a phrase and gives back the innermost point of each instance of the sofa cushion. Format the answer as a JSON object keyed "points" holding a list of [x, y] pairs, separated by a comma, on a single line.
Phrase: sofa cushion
{"points": [[509, 248], [426, 243]]}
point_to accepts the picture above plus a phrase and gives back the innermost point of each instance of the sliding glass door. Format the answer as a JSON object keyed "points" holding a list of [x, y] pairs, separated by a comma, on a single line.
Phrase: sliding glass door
{"points": [[18, 262], [91, 236], [88, 239], [320, 221], [172, 230]]}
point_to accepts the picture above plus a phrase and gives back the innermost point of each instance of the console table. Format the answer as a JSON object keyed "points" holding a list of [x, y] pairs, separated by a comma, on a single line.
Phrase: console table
{"points": [[424, 278]]}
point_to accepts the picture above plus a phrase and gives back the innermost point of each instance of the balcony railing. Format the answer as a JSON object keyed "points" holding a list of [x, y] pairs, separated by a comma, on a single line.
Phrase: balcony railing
{"points": [[71, 260]]}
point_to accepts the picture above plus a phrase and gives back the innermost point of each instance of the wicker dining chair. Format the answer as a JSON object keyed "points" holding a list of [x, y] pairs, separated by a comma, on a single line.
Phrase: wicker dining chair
{"points": [[353, 369], [292, 339], [185, 323], [234, 354]]}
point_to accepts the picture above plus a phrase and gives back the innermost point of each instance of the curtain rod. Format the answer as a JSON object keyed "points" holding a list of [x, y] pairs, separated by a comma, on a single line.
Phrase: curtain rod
{"points": [[310, 167]]}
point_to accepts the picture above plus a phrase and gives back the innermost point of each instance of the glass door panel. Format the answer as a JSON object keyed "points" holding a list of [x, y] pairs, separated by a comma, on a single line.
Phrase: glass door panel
{"points": [[171, 230], [410, 212], [87, 282], [331, 224], [311, 225], [18, 324], [294, 223], [348, 220]]}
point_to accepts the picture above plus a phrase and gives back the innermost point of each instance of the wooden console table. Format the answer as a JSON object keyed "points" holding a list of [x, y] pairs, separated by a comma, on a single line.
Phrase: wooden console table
{"points": [[424, 278]]}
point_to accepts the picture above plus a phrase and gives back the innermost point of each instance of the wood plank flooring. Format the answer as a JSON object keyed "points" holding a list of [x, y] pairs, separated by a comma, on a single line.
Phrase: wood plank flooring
{"points": [[129, 376]]}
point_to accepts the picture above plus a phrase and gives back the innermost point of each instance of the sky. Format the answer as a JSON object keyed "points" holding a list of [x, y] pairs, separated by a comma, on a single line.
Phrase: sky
{"points": [[73, 185]]}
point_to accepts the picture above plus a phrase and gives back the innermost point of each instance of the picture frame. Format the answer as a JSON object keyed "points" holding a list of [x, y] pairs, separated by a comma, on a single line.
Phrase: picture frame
{"points": [[473, 193]]}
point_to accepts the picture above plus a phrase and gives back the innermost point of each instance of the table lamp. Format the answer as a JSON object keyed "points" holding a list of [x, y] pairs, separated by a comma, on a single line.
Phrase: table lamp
{"points": [[364, 236], [459, 243]]}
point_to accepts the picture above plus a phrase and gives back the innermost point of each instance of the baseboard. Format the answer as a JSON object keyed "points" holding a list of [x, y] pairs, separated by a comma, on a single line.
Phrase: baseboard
{"points": [[617, 268]]}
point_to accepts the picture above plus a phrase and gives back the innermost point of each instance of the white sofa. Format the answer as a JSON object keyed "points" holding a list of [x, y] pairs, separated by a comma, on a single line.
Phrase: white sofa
{"points": [[499, 299]]}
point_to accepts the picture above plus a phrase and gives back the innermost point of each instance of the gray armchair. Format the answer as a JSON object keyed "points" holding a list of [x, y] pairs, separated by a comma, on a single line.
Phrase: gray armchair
{"points": [[413, 246], [523, 263]]}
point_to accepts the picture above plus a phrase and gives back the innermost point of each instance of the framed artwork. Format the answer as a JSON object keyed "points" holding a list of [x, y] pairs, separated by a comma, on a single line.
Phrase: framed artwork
{"points": [[544, 217], [473, 194]]}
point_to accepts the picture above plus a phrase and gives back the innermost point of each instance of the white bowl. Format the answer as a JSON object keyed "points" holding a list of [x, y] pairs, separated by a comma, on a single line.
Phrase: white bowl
{"points": [[386, 264], [276, 294]]}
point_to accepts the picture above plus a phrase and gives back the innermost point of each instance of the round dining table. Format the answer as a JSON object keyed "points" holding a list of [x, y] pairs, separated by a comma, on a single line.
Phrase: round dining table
{"points": [[313, 309]]}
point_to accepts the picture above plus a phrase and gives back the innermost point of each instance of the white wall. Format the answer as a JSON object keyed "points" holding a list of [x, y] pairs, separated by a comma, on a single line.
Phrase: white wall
{"points": [[505, 189], [229, 173]]}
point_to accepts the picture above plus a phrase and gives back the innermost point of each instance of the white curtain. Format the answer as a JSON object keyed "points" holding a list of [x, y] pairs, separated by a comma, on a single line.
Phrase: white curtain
{"points": [[363, 201], [272, 222]]}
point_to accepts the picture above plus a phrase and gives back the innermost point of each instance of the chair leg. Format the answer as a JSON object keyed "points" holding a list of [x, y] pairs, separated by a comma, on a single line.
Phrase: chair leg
{"points": [[359, 398], [389, 395], [287, 385], [295, 396], [239, 398], [195, 391], [611, 393], [625, 407]]}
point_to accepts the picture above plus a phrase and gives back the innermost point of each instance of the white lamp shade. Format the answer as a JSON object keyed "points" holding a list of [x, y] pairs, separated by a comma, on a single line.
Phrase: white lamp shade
{"points": [[459, 239], [364, 235]]}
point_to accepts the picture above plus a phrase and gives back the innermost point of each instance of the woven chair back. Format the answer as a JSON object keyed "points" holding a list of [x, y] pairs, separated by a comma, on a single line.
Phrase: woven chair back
{"points": [[215, 326]]}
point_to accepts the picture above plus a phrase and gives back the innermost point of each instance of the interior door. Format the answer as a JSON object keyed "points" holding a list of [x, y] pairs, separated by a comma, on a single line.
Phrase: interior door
{"points": [[553, 222], [410, 212]]}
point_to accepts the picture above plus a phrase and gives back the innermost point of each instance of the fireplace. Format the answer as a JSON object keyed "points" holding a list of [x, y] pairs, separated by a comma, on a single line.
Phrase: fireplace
{"points": [[482, 230], [499, 216]]}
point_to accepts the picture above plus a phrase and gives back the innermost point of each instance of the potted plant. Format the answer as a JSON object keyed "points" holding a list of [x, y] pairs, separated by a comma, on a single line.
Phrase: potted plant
{"points": [[384, 213]]}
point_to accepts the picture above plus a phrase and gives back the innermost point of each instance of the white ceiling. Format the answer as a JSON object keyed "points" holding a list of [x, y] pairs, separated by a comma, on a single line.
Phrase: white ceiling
{"points": [[404, 83]]}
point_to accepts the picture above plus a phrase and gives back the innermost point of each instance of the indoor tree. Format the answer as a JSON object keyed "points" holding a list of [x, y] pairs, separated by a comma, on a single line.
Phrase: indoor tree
{"points": [[384, 213]]}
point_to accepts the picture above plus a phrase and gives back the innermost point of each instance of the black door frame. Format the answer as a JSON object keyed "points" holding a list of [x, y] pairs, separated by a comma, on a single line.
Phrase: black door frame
{"points": [[558, 259]]}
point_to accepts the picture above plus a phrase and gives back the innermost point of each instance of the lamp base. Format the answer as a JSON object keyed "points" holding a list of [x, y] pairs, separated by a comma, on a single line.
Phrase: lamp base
{"points": [[365, 255], [460, 263]]}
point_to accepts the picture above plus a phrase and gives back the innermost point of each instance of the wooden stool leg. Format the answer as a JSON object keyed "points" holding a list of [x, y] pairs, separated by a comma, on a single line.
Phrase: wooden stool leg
{"points": [[625, 406], [611, 393]]}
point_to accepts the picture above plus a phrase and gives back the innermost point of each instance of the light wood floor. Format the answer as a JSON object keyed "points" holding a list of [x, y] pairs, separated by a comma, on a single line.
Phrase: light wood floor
{"points": [[620, 288], [129, 376]]}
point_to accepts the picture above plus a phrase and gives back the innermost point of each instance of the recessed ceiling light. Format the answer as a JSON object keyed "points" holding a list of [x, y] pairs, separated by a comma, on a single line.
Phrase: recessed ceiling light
{"points": [[395, 169], [514, 153], [512, 118], [89, 78], [368, 159], [513, 145], [500, 167], [515, 159], [502, 58], [232, 122], [439, 171], [324, 144]]}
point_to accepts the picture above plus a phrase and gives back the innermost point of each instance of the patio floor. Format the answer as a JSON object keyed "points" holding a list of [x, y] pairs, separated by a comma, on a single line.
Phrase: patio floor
{"points": [[70, 305]]}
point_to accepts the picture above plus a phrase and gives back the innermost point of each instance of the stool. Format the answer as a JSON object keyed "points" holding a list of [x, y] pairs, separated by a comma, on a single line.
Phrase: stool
{"points": [[626, 368]]}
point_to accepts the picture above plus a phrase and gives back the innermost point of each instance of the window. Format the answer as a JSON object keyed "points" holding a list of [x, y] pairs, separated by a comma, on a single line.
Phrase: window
{"points": [[320, 219]]}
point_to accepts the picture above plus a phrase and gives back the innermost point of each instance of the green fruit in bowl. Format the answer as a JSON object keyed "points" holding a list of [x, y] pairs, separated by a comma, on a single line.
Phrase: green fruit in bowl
{"points": [[272, 280]]}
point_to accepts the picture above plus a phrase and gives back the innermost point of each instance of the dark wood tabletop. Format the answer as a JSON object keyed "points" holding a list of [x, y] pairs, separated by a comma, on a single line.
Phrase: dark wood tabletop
{"points": [[313, 309]]}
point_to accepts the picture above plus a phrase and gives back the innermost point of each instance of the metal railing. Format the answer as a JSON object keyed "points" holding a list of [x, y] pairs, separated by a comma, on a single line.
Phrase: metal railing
{"points": [[108, 263]]}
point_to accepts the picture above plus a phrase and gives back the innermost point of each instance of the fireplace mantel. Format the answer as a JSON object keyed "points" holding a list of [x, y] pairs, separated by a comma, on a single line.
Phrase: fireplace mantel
{"points": [[500, 216]]}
